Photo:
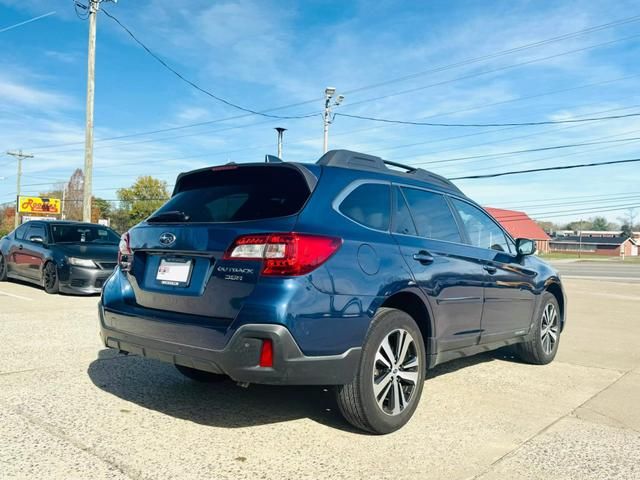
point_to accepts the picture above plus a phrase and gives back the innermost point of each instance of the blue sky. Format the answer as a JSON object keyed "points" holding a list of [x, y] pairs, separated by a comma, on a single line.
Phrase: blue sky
{"points": [[265, 54]]}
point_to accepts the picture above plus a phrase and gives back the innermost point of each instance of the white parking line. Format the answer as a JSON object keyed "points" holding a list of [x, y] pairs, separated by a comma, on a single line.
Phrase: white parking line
{"points": [[15, 296]]}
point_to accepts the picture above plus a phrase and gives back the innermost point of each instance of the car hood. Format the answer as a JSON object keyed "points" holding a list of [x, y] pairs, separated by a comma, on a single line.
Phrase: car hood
{"points": [[88, 250]]}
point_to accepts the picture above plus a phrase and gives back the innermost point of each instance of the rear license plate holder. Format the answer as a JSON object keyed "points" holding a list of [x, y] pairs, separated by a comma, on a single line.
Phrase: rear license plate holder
{"points": [[174, 271]]}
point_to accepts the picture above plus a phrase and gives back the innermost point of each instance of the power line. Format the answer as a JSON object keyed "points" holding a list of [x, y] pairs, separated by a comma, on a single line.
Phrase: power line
{"points": [[547, 169], [491, 56], [487, 72], [386, 82], [198, 87], [513, 124], [528, 150], [572, 197]]}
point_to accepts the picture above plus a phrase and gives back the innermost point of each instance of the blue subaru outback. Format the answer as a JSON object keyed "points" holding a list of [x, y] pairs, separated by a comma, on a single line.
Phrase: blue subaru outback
{"points": [[354, 272]]}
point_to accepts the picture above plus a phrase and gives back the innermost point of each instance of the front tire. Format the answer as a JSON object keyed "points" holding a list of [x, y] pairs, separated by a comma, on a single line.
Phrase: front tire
{"points": [[388, 384], [50, 280], [3, 268], [543, 346]]}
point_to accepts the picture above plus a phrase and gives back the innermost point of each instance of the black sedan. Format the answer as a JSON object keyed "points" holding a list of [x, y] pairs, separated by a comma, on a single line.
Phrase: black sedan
{"points": [[61, 256]]}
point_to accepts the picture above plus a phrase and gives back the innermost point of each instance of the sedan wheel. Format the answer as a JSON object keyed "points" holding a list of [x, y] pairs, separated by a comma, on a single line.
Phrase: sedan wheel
{"points": [[50, 278], [3, 268]]}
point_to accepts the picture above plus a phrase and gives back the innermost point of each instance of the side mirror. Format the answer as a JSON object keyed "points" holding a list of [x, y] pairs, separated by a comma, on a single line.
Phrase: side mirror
{"points": [[524, 246], [36, 239]]}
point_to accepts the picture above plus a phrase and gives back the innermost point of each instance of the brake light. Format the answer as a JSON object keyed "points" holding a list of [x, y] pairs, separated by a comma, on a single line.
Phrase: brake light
{"points": [[124, 252], [284, 254], [266, 353]]}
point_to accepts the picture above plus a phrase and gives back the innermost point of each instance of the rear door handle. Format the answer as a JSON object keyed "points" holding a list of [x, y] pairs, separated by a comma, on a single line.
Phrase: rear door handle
{"points": [[490, 269], [423, 257], [20, 247]]}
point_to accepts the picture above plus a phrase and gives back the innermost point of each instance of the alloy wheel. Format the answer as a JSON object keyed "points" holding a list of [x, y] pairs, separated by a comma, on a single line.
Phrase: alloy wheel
{"points": [[396, 370], [549, 328], [50, 276]]}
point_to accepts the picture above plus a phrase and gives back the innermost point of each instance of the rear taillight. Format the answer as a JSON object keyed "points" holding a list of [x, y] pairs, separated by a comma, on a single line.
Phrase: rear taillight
{"points": [[284, 254], [266, 353], [124, 252]]}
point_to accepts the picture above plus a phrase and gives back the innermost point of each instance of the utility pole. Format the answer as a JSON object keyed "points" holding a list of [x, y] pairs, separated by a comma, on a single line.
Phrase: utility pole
{"points": [[280, 131], [93, 7], [20, 156], [580, 241], [329, 92]]}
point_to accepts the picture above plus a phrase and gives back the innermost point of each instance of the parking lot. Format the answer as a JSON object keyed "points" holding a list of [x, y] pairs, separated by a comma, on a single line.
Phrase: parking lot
{"points": [[71, 409]]}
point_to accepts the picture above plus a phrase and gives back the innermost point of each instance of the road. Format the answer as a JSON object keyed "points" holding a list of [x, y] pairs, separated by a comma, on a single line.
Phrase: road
{"points": [[71, 409], [610, 270]]}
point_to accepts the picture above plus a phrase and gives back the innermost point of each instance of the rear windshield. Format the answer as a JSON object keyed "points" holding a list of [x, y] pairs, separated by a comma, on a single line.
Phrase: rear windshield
{"points": [[238, 194]]}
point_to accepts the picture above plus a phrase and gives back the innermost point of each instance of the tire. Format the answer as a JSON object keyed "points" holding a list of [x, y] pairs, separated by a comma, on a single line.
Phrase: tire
{"points": [[543, 346], [50, 280], [373, 401], [200, 375], [3, 268]]}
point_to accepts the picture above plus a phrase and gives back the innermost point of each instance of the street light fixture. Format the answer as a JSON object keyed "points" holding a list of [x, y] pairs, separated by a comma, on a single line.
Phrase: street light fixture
{"points": [[329, 92]]}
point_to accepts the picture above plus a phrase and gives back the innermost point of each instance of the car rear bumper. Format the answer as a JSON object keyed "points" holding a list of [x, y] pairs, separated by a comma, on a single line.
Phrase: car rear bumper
{"points": [[239, 359]]}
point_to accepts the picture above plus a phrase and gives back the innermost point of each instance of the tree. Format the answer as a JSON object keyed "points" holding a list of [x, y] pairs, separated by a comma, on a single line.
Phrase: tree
{"points": [[580, 225], [143, 198], [627, 231], [548, 227], [100, 208], [72, 208], [599, 223]]}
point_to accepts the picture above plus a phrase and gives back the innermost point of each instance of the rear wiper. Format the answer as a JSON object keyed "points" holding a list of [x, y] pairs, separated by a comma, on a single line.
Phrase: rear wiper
{"points": [[175, 215]]}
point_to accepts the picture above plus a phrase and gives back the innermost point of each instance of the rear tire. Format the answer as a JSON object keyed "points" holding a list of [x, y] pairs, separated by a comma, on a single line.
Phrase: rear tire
{"points": [[388, 384], [200, 375], [3, 268], [543, 346], [50, 280]]}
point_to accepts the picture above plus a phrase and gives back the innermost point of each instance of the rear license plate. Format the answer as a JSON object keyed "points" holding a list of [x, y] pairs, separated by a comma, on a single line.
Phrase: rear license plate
{"points": [[174, 271]]}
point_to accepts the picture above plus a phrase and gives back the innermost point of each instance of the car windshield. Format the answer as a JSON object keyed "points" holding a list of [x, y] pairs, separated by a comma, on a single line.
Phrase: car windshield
{"points": [[84, 234]]}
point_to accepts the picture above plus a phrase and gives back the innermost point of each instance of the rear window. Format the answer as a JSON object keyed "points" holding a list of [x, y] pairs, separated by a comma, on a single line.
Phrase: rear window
{"points": [[239, 194], [432, 215]]}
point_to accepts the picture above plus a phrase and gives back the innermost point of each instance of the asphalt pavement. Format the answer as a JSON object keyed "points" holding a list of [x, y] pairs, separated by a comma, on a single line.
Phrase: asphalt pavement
{"points": [[70, 409], [610, 270]]}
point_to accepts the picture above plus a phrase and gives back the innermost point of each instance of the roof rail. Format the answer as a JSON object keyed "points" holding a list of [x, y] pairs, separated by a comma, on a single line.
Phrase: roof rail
{"points": [[362, 161]]}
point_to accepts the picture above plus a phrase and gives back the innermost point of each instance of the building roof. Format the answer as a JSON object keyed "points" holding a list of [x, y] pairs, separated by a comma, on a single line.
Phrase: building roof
{"points": [[619, 240], [518, 224]]}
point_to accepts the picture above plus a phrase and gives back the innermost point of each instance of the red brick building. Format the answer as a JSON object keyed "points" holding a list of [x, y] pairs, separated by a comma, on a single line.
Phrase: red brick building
{"points": [[519, 225], [595, 245]]}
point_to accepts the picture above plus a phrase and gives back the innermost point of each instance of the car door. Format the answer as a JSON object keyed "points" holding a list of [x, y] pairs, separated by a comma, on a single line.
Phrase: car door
{"points": [[33, 252], [17, 260], [509, 296], [432, 245]]}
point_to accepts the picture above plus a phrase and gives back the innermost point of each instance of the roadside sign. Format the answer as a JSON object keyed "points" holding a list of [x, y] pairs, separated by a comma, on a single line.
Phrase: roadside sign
{"points": [[39, 205]]}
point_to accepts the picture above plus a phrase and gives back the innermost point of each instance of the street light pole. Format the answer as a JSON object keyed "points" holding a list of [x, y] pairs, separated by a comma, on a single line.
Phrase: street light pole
{"points": [[280, 131], [329, 92], [94, 5], [20, 156]]}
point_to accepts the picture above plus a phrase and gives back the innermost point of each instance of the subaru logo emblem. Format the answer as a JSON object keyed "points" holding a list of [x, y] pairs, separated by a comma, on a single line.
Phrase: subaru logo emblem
{"points": [[167, 238]]}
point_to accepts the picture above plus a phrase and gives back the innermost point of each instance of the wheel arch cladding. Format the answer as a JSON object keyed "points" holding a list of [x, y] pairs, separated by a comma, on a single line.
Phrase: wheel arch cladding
{"points": [[555, 290], [413, 305]]}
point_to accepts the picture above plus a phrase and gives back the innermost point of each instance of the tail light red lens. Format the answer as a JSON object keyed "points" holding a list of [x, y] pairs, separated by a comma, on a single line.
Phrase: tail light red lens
{"points": [[266, 353], [284, 254], [124, 252]]}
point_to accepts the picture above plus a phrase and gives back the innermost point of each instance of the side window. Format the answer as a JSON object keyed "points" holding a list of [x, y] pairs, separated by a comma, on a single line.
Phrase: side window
{"points": [[20, 231], [369, 205], [481, 229], [402, 221], [432, 215], [36, 231]]}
